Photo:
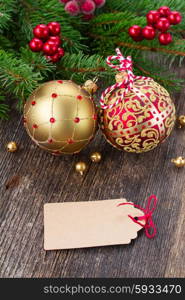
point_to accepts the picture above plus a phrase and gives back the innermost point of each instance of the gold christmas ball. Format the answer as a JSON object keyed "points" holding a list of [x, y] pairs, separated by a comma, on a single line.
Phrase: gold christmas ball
{"points": [[80, 167], [60, 117], [95, 157], [142, 120], [178, 162], [12, 147], [181, 121]]}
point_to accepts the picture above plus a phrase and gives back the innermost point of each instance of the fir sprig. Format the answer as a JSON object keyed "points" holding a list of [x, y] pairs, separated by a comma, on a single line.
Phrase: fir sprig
{"points": [[4, 108], [17, 76]]}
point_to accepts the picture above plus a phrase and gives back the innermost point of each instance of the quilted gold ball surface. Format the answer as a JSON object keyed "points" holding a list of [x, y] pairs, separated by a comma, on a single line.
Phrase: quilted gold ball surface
{"points": [[144, 118], [60, 117]]}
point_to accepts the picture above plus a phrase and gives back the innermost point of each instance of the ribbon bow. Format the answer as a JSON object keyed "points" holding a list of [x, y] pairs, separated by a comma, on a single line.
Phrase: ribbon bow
{"points": [[148, 211], [125, 64]]}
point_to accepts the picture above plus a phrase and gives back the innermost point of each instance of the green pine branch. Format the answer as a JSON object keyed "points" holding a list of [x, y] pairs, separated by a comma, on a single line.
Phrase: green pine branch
{"points": [[7, 7], [143, 6], [16, 76], [37, 62], [80, 67], [4, 108]]}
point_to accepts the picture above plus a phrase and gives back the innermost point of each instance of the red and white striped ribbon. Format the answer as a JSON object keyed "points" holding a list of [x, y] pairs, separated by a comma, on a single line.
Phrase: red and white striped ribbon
{"points": [[125, 64]]}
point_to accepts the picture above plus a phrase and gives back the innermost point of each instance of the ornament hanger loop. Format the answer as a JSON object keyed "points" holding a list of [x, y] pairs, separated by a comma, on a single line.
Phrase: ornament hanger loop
{"points": [[125, 65]]}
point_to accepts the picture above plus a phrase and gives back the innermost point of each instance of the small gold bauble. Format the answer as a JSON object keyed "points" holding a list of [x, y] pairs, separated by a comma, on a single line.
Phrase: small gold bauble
{"points": [[12, 147], [80, 167], [181, 121], [96, 157], [60, 117], [179, 161]]}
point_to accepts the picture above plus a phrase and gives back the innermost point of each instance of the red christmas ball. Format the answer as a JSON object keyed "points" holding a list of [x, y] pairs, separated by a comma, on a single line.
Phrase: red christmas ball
{"points": [[174, 17], [152, 16], [163, 24], [50, 48], [135, 31], [56, 39], [148, 32], [143, 119], [36, 45], [165, 38], [164, 11], [54, 28], [61, 52], [41, 31]]}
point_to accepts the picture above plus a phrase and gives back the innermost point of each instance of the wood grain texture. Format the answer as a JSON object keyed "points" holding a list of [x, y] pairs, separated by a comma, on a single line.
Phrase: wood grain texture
{"points": [[44, 178]]}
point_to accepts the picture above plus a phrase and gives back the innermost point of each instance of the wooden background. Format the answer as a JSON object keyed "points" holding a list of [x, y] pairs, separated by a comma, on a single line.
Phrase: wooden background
{"points": [[31, 177]]}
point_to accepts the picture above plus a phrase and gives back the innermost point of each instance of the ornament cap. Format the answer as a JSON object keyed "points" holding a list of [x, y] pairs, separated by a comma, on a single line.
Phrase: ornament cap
{"points": [[90, 86], [121, 76]]}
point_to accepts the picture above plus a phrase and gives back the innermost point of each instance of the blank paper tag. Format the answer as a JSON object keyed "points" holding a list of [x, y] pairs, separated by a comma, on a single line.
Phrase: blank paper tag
{"points": [[89, 224]]}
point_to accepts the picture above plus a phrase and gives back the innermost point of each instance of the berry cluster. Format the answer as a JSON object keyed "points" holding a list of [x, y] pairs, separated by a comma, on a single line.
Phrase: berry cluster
{"points": [[158, 20], [86, 7], [47, 39]]}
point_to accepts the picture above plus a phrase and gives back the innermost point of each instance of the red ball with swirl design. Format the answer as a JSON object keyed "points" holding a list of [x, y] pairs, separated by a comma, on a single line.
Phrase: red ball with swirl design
{"points": [[137, 113]]}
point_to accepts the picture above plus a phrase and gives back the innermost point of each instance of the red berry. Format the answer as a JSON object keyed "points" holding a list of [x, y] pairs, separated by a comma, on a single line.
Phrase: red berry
{"points": [[152, 16], [138, 38], [165, 38], [41, 31], [72, 7], [99, 3], [50, 48], [61, 52], [36, 45], [174, 17], [56, 39], [87, 17], [148, 32], [163, 24], [164, 11], [135, 31], [54, 58], [88, 7], [54, 28]]}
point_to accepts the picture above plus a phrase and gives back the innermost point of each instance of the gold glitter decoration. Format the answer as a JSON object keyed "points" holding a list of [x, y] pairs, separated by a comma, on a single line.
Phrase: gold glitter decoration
{"points": [[60, 117], [142, 120]]}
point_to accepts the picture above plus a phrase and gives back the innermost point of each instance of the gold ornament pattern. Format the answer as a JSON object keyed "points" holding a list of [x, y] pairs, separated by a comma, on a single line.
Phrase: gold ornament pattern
{"points": [[144, 119], [60, 117]]}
